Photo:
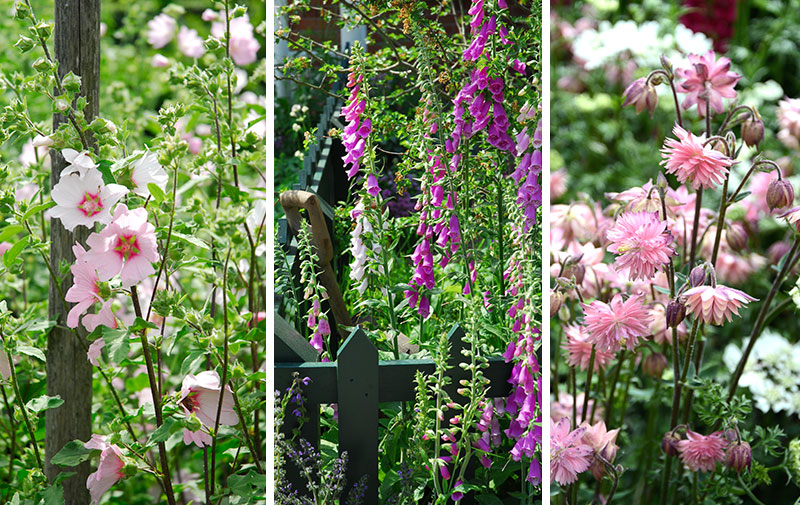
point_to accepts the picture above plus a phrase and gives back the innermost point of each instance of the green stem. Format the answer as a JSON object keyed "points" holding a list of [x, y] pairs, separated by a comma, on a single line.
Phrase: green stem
{"points": [[23, 409]]}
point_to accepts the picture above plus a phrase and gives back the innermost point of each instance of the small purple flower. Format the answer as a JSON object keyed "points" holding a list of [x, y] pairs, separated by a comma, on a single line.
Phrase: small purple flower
{"points": [[372, 185]]}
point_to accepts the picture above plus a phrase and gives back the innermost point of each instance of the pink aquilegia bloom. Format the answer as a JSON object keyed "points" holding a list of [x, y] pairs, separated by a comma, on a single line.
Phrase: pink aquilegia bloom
{"points": [[715, 304], [160, 30], [789, 121], [579, 349], [603, 444], [693, 162], [569, 456], [147, 170], [200, 396], [127, 247], [612, 325], [84, 200], [109, 470], [701, 452], [190, 43], [642, 242], [707, 82]]}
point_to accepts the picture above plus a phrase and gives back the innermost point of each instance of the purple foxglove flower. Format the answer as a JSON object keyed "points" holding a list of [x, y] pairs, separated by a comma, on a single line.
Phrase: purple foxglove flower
{"points": [[482, 79], [504, 35], [424, 307], [365, 128], [324, 327], [518, 66], [523, 139], [501, 4], [353, 170], [477, 19], [496, 86], [537, 136], [372, 185]]}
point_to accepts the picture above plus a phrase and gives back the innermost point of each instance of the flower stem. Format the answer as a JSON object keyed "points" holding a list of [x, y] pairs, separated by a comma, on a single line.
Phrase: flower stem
{"points": [[588, 389], [23, 409]]}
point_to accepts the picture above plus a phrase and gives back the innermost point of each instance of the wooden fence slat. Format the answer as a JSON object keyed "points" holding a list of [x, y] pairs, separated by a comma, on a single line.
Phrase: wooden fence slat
{"points": [[290, 346], [357, 378]]}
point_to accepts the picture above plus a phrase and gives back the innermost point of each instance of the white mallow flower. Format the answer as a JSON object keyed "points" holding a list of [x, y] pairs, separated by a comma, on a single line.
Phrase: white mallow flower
{"points": [[78, 162], [42, 141], [148, 170], [84, 200], [257, 217]]}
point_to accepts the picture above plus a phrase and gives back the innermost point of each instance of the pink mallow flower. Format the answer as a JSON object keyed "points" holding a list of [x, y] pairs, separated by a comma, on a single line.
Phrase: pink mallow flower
{"points": [[109, 470], [707, 82], [200, 396], [104, 317], [190, 43], [612, 325], [95, 351], [569, 456], [699, 452], [84, 290], [715, 304], [642, 242], [160, 30], [84, 200], [127, 247], [692, 162]]}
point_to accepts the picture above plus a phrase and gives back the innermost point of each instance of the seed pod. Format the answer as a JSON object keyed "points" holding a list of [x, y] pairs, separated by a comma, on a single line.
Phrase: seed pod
{"points": [[556, 300], [752, 131], [654, 365], [780, 194], [675, 313], [669, 444], [697, 277], [738, 456], [736, 236]]}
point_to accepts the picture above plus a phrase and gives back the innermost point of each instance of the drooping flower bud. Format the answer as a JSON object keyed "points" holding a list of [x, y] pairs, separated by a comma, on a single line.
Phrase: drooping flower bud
{"points": [[752, 131], [675, 313], [697, 277], [736, 236], [654, 365], [556, 300], [669, 444], [738, 456], [641, 94], [780, 194], [578, 271]]}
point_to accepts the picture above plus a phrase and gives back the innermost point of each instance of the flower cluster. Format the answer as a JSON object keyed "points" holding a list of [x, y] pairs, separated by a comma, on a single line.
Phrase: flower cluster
{"points": [[701, 453], [354, 134]]}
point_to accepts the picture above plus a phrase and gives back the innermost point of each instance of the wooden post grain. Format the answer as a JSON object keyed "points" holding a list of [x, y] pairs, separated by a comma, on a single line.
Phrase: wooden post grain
{"points": [[69, 374]]}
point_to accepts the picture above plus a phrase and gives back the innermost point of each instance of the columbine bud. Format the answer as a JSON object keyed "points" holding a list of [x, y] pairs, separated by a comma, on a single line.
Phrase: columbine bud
{"points": [[676, 312], [654, 365], [661, 181], [556, 300], [752, 131], [780, 194], [738, 456], [669, 444], [665, 63], [697, 277], [640, 94], [736, 236], [579, 272]]}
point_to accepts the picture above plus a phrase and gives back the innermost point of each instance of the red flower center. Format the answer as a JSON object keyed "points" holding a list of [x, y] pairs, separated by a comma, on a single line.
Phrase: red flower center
{"points": [[127, 246], [91, 204]]}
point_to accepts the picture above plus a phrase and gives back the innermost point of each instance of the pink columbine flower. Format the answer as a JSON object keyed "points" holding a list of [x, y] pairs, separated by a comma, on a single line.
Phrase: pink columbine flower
{"points": [[793, 217], [620, 322], [642, 242], [569, 456], [84, 290], [84, 200], [148, 170], [127, 247], [160, 30], [200, 396], [694, 162], [603, 443], [707, 82], [79, 162], [109, 470], [190, 43], [715, 304], [579, 348], [699, 452]]}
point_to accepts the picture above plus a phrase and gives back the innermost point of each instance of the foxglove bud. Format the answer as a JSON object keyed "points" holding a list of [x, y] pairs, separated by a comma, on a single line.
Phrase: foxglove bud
{"points": [[738, 456], [654, 365], [697, 277], [752, 131], [669, 444], [780, 194], [640, 94], [676, 312], [736, 236], [793, 460], [556, 300]]}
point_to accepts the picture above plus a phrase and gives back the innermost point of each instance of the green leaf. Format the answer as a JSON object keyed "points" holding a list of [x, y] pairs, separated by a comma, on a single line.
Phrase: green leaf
{"points": [[37, 209], [157, 193], [53, 495], [44, 402], [104, 166], [741, 196], [164, 431], [191, 361], [140, 324], [72, 454], [32, 351], [11, 255], [62, 476], [191, 240], [117, 344], [9, 231]]}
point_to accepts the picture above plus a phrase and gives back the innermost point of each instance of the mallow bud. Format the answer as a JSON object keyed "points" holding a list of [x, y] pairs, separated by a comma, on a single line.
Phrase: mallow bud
{"points": [[780, 194], [738, 456], [676, 312], [654, 365], [697, 277]]}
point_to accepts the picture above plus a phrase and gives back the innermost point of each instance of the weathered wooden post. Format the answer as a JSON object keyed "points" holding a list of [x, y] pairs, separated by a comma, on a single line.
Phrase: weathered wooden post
{"points": [[69, 374]]}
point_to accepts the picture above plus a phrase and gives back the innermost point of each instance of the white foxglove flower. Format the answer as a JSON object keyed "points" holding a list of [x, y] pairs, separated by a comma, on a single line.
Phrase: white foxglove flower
{"points": [[84, 200], [148, 170]]}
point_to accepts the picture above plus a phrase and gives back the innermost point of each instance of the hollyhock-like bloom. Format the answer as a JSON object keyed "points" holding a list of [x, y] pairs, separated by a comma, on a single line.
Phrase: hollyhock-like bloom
{"points": [[105, 317], [715, 304], [84, 200], [243, 44], [127, 247], [569, 456], [190, 43], [699, 452], [109, 470], [579, 347], [84, 290], [707, 82], [200, 396], [159, 61], [79, 162], [160, 31], [616, 324], [692, 162], [642, 242], [95, 351], [146, 170]]}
